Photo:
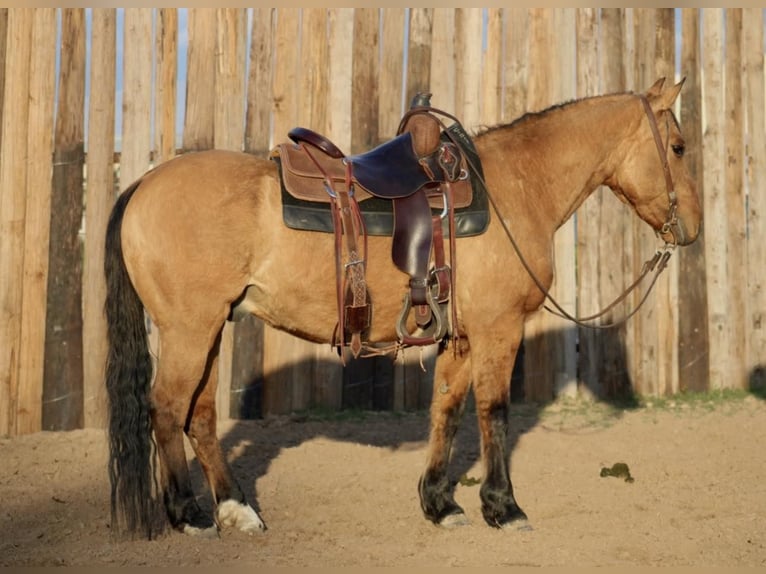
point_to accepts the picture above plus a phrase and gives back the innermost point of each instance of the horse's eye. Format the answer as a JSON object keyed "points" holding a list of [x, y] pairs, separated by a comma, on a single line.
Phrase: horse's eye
{"points": [[678, 149]]}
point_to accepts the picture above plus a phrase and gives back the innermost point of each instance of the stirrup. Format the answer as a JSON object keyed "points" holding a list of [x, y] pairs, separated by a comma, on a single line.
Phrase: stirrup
{"points": [[433, 335]]}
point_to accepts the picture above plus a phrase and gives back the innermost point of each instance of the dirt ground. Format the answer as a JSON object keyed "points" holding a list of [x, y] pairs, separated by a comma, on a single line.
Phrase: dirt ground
{"points": [[343, 492]]}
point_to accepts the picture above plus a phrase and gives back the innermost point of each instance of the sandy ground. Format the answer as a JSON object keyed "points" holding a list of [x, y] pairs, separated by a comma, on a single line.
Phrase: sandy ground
{"points": [[343, 493]]}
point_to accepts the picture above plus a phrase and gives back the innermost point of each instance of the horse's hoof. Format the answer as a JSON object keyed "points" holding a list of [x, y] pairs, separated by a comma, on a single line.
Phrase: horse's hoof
{"points": [[520, 525], [209, 532], [455, 520], [241, 516]]}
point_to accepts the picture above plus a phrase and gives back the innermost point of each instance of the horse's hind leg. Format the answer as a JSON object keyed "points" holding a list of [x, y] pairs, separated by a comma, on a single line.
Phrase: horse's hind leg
{"points": [[181, 366], [451, 384], [232, 508]]}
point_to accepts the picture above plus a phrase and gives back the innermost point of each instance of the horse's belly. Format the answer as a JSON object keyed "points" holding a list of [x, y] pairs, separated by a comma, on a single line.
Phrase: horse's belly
{"points": [[295, 286]]}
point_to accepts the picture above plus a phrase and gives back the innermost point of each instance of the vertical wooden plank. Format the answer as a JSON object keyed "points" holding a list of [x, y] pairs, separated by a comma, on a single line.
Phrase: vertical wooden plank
{"points": [[693, 351], [364, 84], [200, 84], [410, 381], [642, 326], [468, 52], [538, 375], [666, 288], [166, 86], [341, 43], [13, 182], [419, 52], [613, 376], [258, 118], [3, 47], [136, 137], [390, 90], [443, 57], [340, 38], [715, 201], [588, 216], [228, 133], [314, 76], [562, 334], [247, 363], [38, 217], [492, 71], [63, 379], [736, 224], [515, 59], [326, 384], [755, 325], [286, 363], [99, 199], [359, 376], [135, 157]]}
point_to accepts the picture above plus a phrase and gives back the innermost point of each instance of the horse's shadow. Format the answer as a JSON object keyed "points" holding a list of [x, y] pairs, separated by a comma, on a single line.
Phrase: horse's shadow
{"points": [[253, 443]]}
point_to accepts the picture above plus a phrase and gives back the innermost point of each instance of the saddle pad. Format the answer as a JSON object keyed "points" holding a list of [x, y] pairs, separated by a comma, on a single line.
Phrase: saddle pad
{"points": [[471, 219]]}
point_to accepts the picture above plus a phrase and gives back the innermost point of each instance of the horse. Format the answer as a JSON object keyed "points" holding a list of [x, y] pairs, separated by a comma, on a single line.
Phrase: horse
{"points": [[201, 236]]}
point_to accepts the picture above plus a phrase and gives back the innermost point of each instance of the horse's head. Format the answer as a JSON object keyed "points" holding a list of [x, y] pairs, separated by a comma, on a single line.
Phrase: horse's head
{"points": [[654, 177]]}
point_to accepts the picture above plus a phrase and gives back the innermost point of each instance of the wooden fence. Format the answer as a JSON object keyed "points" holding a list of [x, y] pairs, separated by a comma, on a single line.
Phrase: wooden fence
{"points": [[253, 74]]}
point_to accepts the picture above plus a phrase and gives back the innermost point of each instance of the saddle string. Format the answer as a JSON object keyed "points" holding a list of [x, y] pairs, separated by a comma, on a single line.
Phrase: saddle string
{"points": [[657, 263]]}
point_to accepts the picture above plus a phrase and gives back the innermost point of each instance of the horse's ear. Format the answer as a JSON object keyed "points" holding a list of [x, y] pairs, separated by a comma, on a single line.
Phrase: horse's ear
{"points": [[656, 89], [664, 99]]}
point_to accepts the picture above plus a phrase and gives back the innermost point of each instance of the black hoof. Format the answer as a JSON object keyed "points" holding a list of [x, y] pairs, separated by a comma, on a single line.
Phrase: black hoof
{"points": [[437, 502], [190, 519], [501, 511]]}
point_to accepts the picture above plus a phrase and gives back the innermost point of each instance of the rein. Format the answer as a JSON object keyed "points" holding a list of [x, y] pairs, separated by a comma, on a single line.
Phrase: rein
{"points": [[656, 264]]}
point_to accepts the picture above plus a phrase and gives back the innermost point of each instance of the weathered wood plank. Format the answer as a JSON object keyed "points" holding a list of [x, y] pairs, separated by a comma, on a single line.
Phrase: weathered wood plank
{"points": [[166, 86], [755, 321], [693, 352], [442, 72], [99, 199], [735, 200], [365, 76], [38, 220], [390, 89], [258, 117], [13, 182], [666, 288], [63, 380], [588, 216], [228, 133], [200, 80], [714, 205]]}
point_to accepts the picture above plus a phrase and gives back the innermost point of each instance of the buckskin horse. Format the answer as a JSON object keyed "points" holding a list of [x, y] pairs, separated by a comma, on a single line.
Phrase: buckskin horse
{"points": [[201, 238]]}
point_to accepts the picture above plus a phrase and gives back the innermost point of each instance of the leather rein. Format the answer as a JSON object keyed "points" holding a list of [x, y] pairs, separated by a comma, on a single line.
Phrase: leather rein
{"points": [[656, 264]]}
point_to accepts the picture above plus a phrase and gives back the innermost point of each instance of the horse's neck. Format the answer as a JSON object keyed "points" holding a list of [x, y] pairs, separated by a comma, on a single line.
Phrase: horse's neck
{"points": [[545, 166]]}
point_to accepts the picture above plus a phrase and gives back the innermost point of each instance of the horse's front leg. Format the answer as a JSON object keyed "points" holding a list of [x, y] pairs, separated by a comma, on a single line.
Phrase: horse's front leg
{"points": [[451, 384], [491, 372]]}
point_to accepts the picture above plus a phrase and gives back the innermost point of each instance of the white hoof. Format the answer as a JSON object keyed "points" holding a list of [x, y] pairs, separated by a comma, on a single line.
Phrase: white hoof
{"points": [[241, 516]]}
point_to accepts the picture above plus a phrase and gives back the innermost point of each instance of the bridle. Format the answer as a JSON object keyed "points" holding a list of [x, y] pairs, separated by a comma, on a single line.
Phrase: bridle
{"points": [[656, 264]]}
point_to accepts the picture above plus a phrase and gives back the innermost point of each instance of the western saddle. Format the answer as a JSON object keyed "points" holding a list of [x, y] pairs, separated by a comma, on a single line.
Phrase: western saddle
{"points": [[425, 177]]}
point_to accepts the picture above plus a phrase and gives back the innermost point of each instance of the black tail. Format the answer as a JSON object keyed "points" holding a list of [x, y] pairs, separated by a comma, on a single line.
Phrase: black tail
{"points": [[128, 381]]}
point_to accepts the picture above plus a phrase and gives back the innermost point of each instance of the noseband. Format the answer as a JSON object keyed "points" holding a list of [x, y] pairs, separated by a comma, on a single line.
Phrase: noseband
{"points": [[671, 222]]}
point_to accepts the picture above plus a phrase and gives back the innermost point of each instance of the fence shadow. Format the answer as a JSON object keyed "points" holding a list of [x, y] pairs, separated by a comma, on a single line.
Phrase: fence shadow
{"points": [[254, 443]]}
